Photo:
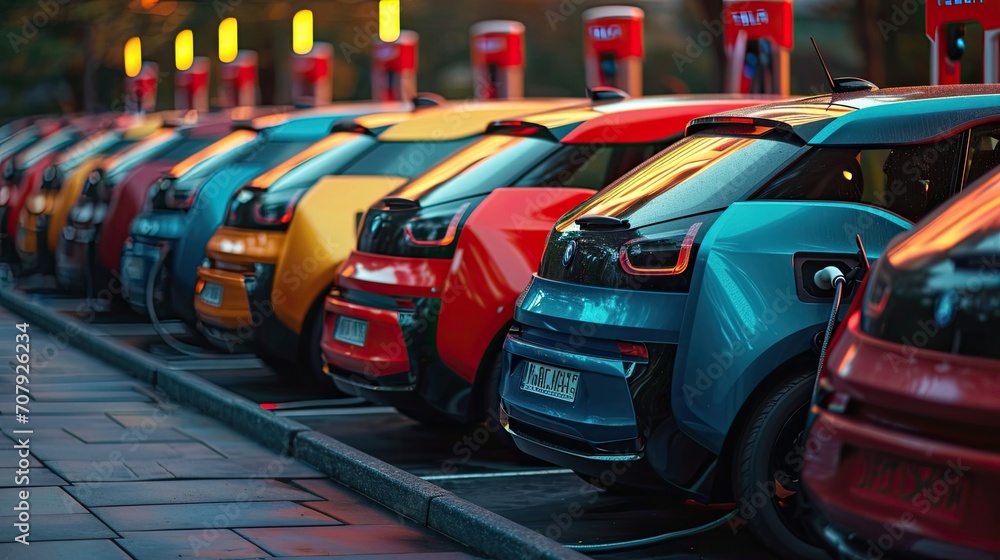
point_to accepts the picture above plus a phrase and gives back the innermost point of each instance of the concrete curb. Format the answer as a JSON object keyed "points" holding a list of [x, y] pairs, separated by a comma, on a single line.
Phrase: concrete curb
{"points": [[408, 495]]}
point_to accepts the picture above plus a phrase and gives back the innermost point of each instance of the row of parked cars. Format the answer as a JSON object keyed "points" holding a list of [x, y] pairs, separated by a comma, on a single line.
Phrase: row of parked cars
{"points": [[640, 287]]}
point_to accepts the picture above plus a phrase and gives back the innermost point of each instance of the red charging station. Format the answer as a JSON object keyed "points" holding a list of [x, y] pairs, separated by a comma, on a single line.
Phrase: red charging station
{"points": [[759, 36], [140, 91], [394, 68], [945, 27], [498, 59], [312, 76], [613, 47], [238, 81], [191, 86]]}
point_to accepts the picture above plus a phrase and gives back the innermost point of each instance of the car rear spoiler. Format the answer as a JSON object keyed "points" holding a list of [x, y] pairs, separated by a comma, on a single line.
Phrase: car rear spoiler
{"points": [[520, 128], [717, 121]]}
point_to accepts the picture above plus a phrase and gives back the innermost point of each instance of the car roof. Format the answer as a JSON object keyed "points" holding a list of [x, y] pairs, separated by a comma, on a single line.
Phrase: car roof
{"points": [[463, 119], [891, 116], [331, 110], [640, 120]]}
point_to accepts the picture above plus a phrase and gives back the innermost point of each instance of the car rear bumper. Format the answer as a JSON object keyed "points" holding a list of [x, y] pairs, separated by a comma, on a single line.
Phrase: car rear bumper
{"points": [[242, 264], [917, 420], [74, 260], [32, 248], [620, 411], [398, 363], [139, 262]]}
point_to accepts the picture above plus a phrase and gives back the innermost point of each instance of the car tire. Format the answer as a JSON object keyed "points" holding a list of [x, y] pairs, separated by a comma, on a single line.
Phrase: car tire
{"points": [[310, 362], [765, 467]]}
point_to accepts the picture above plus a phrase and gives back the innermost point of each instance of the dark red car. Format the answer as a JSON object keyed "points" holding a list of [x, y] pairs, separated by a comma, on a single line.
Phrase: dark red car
{"points": [[903, 455]]}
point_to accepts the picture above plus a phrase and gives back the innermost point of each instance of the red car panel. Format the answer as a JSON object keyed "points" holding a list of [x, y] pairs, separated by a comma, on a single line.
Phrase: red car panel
{"points": [[499, 249], [127, 200]]}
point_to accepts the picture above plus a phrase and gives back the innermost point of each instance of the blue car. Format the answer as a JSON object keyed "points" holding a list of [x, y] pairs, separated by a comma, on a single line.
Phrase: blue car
{"points": [[670, 339], [185, 211]]}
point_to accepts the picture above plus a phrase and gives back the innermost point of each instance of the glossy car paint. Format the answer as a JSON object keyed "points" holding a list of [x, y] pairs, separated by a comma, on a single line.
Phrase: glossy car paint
{"points": [[33, 226], [498, 247], [296, 270], [322, 230], [161, 229], [77, 256], [712, 346], [927, 398]]}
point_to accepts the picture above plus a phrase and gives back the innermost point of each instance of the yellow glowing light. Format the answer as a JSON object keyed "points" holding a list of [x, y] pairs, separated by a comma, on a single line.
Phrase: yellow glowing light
{"points": [[848, 175], [149, 4], [388, 20], [228, 45], [184, 50], [302, 32], [133, 57]]}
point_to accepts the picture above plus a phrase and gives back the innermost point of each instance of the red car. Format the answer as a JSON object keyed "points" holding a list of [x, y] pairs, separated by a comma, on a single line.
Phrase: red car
{"points": [[903, 454], [421, 307]]}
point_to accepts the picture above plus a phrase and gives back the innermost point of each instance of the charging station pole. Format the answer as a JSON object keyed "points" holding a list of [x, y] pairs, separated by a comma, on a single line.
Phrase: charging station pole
{"points": [[759, 37], [498, 59], [945, 27], [613, 47], [238, 81], [140, 90], [191, 86], [394, 68], [312, 76]]}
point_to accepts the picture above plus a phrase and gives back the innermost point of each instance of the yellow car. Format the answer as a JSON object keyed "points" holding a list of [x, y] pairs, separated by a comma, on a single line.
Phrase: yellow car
{"points": [[266, 276], [41, 220]]}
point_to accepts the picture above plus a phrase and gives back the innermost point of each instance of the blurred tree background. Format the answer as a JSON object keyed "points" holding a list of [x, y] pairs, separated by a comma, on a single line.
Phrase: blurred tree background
{"points": [[66, 55]]}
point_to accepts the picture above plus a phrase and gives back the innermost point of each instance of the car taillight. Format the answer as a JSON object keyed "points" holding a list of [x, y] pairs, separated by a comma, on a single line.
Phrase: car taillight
{"points": [[434, 231], [633, 349], [666, 254], [276, 209]]}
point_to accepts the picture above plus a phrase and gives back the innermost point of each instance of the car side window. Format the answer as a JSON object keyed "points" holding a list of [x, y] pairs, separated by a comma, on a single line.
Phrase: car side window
{"points": [[908, 181], [588, 166], [984, 152]]}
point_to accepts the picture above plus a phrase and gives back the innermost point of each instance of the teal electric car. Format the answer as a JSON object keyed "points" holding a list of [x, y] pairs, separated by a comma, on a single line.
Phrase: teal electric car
{"points": [[672, 333]]}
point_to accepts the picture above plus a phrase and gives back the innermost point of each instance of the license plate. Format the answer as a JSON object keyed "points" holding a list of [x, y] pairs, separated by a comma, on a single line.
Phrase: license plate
{"points": [[550, 381], [212, 294], [929, 490], [351, 331]]}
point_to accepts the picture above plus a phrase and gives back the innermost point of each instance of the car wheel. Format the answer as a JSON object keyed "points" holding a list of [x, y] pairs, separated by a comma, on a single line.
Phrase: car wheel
{"points": [[767, 470], [310, 363]]}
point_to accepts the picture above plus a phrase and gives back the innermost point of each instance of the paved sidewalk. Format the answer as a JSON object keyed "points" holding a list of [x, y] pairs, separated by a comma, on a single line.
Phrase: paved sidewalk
{"points": [[117, 471]]}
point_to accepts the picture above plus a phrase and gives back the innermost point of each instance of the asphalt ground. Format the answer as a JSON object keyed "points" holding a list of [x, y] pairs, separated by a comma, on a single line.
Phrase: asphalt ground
{"points": [[466, 461]]}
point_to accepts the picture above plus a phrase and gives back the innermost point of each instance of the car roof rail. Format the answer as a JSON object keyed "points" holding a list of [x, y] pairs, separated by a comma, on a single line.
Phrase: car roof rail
{"points": [[606, 93]]}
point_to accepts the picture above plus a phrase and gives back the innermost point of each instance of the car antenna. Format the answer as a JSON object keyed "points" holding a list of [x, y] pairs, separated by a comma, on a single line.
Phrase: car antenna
{"points": [[842, 85], [826, 69]]}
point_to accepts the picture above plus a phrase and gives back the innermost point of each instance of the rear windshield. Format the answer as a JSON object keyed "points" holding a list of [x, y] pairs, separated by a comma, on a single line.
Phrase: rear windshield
{"points": [[700, 173], [272, 152], [19, 140], [405, 159], [56, 141], [327, 163], [186, 148]]}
